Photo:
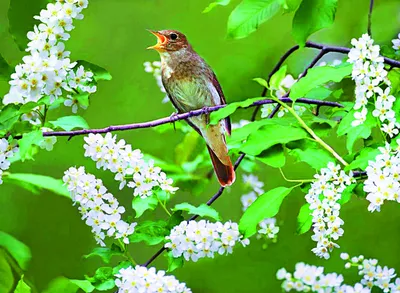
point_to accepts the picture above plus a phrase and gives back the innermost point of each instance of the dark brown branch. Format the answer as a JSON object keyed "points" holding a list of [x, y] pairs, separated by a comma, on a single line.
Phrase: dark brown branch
{"points": [[371, 7]]}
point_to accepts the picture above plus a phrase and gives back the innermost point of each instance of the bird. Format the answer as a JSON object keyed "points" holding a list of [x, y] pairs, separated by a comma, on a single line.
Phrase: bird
{"points": [[191, 84]]}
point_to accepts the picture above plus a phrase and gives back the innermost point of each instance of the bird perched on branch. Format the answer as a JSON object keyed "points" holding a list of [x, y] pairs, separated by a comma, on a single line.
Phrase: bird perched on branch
{"points": [[191, 84]]}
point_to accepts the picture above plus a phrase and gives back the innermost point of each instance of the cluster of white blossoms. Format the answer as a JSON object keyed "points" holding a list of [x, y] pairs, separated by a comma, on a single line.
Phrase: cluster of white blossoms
{"points": [[267, 227], [99, 208], [383, 177], [308, 278], [373, 275], [323, 198], [396, 43], [128, 165], [371, 80], [155, 69], [194, 240], [284, 86], [47, 70], [144, 280], [7, 151]]}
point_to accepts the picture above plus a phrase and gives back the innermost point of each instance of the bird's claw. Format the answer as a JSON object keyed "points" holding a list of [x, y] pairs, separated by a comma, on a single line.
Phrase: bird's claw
{"points": [[173, 118], [206, 113]]}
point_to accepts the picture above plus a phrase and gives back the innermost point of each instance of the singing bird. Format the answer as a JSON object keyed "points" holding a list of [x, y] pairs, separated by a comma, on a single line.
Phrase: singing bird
{"points": [[191, 84]]}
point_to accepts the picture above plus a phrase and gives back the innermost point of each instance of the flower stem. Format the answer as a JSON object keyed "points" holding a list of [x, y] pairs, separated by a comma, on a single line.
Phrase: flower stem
{"points": [[126, 252], [294, 180], [312, 133], [164, 207]]}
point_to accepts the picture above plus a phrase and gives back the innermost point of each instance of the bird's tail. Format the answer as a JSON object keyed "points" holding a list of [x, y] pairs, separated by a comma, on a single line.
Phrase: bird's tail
{"points": [[225, 173]]}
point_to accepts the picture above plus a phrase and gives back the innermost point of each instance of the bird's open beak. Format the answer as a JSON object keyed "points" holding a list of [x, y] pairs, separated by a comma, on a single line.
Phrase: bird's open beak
{"points": [[161, 41]]}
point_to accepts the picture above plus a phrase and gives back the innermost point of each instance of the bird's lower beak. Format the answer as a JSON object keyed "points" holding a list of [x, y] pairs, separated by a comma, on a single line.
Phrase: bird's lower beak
{"points": [[161, 41]]}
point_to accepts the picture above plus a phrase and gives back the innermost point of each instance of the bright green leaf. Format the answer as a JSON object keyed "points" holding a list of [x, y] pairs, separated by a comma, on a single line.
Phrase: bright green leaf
{"points": [[312, 16], [304, 219], [105, 253], [152, 233], [99, 72], [311, 153], [69, 123], [174, 262], [9, 115], [17, 250], [5, 69], [274, 156], [35, 183], [216, 3], [361, 161], [203, 210], [318, 93], [261, 81], [6, 273], [85, 285], [27, 142], [266, 206], [346, 194], [175, 220], [291, 5], [140, 205], [102, 280], [22, 287], [318, 76], [249, 15], [277, 78], [64, 285]]}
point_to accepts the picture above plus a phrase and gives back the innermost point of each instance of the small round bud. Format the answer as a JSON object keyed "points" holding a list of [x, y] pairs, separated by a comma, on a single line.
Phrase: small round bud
{"points": [[344, 256], [347, 265]]}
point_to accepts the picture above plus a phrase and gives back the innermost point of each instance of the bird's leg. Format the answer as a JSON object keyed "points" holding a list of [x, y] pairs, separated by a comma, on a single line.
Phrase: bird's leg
{"points": [[172, 117], [206, 113]]}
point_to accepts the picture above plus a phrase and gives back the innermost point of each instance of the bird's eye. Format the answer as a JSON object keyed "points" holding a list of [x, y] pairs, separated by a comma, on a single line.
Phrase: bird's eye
{"points": [[173, 36]]}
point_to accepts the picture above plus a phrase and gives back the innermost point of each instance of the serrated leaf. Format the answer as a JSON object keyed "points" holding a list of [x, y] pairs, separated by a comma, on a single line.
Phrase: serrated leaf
{"points": [[216, 3], [312, 16], [105, 253], [266, 206], [203, 210], [318, 76], [249, 15], [35, 183], [228, 110], [5, 69], [69, 123], [22, 287], [152, 233], [102, 280], [174, 262], [99, 72], [304, 219], [140, 205], [270, 135], [310, 153], [274, 156], [361, 161], [17, 250]]}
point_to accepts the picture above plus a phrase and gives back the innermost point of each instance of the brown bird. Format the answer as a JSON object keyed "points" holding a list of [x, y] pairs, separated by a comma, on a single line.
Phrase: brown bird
{"points": [[191, 84]]}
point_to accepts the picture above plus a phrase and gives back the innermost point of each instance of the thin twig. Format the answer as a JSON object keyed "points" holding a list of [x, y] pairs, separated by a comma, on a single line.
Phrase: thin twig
{"points": [[371, 7]]}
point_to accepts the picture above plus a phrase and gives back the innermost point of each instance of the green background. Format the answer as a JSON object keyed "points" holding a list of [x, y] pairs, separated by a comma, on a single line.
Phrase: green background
{"points": [[113, 36]]}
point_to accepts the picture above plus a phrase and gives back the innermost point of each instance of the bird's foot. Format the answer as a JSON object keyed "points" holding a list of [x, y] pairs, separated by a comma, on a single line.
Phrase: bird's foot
{"points": [[173, 118], [206, 113]]}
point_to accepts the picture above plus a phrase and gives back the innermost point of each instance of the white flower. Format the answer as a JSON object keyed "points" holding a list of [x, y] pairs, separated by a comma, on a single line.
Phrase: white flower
{"points": [[144, 280], [194, 240], [99, 209], [7, 151], [155, 69], [396, 43]]}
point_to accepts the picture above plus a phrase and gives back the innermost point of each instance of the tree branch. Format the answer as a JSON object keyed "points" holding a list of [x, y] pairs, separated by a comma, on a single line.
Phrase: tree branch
{"points": [[371, 7]]}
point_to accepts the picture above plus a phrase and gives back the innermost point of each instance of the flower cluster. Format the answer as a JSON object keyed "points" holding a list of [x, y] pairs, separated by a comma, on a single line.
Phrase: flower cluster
{"points": [[396, 43], [268, 228], [155, 69], [127, 164], [383, 177], [371, 80], [194, 240], [323, 198], [47, 70], [7, 151], [373, 275], [144, 280], [99, 208], [308, 278]]}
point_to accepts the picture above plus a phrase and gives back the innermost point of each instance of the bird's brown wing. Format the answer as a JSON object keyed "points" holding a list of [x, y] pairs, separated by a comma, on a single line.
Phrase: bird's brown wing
{"points": [[217, 86]]}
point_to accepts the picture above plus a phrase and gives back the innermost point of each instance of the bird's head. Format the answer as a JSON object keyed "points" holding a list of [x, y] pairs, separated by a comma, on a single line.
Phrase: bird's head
{"points": [[169, 41]]}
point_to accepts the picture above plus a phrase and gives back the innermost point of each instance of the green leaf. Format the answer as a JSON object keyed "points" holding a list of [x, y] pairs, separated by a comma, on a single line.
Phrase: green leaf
{"points": [[83, 99], [122, 265], [99, 72], [185, 150], [140, 205], [346, 194], [261, 81], [175, 220], [22, 287], [6, 273], [35, 183], [274, 156], [152, 233], [318, 76], [361, 161], [249, 15], [203, 210], [20, 16], [105, 253], [222, 113], [5, 69], [216, 3], [83, 284], [103, 279], [17, 250], [304, 219], [312, 16], [270, 135], [64, 285], [354, 133], [174, 262], [27, 142], [291, 5], [69, 123], [318, 93], [311, 153], [9, 115], [277, 78], [266, 206]]}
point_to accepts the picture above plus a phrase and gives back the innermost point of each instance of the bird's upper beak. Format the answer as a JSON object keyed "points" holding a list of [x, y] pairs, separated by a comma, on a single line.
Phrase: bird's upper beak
{"points": [[161, 41]]}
